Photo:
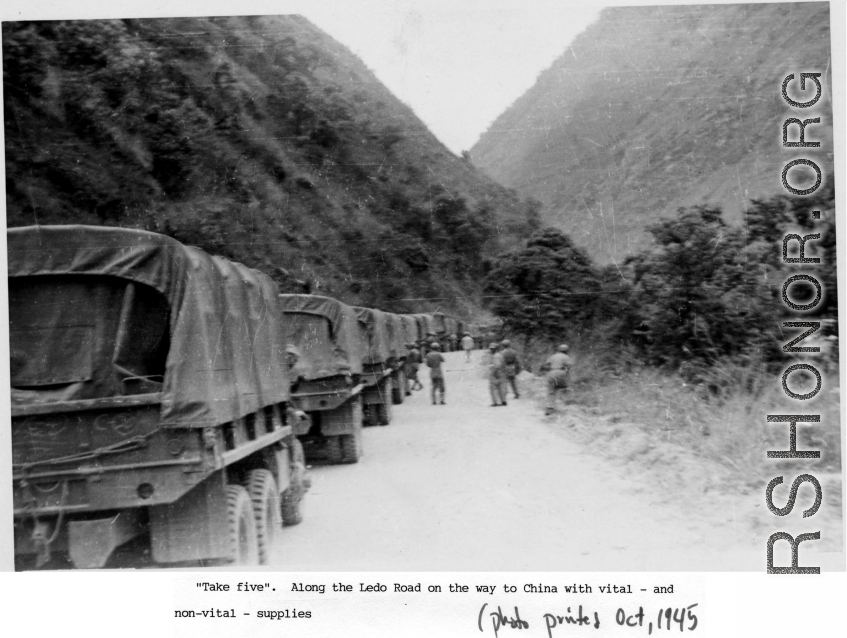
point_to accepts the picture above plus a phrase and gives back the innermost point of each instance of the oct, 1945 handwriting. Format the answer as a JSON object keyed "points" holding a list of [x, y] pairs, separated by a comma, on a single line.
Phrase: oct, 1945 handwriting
{"points": [[667, 618]]}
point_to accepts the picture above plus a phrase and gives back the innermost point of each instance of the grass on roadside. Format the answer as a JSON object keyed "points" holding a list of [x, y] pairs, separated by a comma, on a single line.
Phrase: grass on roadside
{"points": [[728, 425]]}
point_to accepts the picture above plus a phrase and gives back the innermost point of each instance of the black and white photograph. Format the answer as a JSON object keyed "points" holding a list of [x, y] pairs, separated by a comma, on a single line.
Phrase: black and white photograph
{"points": [[424, 288]]}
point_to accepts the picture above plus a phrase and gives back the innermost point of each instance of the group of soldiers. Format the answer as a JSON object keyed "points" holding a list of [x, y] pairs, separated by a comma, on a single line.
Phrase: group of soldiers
{"points": [[504, 366], [433, 359]]}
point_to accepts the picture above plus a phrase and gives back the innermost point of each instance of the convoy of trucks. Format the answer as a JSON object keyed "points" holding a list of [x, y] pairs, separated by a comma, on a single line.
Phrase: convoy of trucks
{"points": [[169, 399]]}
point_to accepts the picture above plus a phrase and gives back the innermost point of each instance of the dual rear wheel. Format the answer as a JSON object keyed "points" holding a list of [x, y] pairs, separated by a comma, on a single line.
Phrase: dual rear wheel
{"points": [[347, 448], [254, 517], [243, 539]]}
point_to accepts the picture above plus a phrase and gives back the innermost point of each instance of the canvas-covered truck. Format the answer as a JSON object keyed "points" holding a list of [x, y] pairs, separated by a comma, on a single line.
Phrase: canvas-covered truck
{"points": [[426, 330], [378, 365], [439, 329], [411, 333], [451, 336], [326, 378], [149, 398]]}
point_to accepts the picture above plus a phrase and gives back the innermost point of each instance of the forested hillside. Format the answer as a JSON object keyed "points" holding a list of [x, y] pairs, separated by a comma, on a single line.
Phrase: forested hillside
{"points": [[656, 108], [260, 139]]}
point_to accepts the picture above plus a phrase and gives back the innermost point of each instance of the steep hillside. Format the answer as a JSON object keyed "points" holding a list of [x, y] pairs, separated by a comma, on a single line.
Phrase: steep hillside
{"points": [[653, 108], [261, 139]]}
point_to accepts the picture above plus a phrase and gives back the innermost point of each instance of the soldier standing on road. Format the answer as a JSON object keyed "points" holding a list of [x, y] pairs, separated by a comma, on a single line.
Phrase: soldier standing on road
{"points": [[413, 362], [434, 360], [467, 346], [496, 377], [512, 366], [558, 369]]}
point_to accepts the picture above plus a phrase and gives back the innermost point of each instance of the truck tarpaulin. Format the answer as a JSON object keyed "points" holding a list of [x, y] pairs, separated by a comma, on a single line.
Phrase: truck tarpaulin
{"points": [[397, 337], [439, 323], [326, 334], [374, 326], [226, 354], [426, 325], [411, 334]]}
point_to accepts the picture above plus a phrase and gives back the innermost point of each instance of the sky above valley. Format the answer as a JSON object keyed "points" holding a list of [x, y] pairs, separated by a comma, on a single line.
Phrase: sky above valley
{"points": [[457, 63]]}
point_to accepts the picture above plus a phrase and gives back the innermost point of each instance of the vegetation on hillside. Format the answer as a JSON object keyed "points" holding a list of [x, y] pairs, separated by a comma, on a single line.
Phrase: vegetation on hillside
{"points": [[259, 139], [706, 294]]}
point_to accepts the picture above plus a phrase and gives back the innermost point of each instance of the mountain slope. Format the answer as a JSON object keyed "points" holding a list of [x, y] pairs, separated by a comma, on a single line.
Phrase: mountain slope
{"points": [[653, 108], [261, 139]]}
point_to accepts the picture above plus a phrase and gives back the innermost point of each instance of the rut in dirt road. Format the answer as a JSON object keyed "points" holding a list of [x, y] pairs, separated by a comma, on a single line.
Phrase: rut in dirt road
{"points": [[469, 487]]}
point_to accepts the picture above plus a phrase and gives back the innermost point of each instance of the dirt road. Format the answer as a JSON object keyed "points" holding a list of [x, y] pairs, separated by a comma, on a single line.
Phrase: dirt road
{"points": [[468, 487]]}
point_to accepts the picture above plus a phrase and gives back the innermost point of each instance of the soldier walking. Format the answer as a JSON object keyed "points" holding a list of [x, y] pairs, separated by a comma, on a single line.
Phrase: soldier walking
{"points": [[558, 369], [413, 362], [512, 367], [467, 346], [434, 360], [496, 377]]}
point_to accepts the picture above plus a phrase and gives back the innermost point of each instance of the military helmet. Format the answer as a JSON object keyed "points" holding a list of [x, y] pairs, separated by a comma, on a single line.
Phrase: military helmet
{"points": [[507, 343], [492, 346], [435, 345], [564, 347]]}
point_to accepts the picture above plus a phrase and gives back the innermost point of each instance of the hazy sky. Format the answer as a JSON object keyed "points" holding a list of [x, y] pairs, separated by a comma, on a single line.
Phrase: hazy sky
{"points": [[457, 64]]}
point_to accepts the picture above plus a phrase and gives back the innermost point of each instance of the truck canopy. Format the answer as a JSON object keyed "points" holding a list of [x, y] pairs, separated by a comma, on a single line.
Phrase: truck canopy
{"points": [[373, 325], [410, 329], [439, 323], [99, 311], [425, 324], [326, 334], [396, 335], [451, 326]]}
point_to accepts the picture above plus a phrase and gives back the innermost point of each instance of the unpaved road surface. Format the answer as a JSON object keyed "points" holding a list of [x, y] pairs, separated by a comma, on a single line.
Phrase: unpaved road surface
{"points": [[469, 487]]}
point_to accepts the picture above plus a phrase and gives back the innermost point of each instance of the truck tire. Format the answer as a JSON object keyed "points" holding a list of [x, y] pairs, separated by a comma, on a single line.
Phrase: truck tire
{"points": [[243, 544], [369, 415], [334, 453], [261, 486], [299, 483], [398, 388], [383, 410], [351, 444]]}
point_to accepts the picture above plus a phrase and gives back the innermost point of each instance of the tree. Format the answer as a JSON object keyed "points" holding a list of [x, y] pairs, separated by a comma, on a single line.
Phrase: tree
{"points": [[547, 289], [701, 291]]}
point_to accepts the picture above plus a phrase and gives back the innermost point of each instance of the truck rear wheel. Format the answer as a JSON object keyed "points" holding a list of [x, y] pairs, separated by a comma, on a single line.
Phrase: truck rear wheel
{"points": [[351, 444], [243, 544], [398, 389], [334, 453], [383, 411], [264, 494]]}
